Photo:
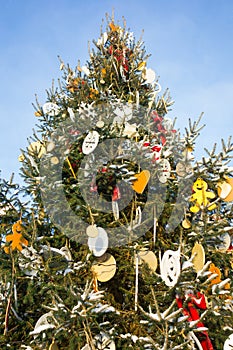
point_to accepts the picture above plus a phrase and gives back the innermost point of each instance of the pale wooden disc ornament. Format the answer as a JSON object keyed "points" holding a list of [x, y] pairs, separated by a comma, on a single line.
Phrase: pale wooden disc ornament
{"points": [[186, 223], [100, 124], [54, 160], [148, 257], [92, 231], [198, 255], [50, 146], [105, 270]]}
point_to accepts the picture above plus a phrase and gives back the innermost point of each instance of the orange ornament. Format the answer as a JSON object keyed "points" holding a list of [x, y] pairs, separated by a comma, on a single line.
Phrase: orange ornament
{"points": [[141, 181], [215, 270], [16, 239]]}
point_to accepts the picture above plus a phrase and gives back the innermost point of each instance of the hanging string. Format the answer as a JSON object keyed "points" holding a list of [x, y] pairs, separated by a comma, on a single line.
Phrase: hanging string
{"points": [[155, 224], [136, 283]]}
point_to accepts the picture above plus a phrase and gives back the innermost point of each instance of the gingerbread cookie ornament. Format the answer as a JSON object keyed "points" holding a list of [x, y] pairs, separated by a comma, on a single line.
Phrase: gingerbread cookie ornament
{"points": [[201, 196]]}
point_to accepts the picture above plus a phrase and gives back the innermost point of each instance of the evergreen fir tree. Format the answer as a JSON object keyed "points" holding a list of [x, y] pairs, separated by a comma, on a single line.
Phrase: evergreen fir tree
{"points": [[126, 242]]}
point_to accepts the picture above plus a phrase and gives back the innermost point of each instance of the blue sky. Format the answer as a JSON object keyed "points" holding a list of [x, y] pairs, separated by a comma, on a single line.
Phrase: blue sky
{"points": [[190, 43]]}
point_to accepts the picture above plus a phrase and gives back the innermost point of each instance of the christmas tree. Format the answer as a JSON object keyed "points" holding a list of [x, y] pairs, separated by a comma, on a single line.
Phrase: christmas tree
{"points": [[126, 240]]}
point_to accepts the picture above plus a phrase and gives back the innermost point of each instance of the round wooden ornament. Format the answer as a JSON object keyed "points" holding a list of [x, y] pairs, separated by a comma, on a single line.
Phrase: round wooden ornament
{"points": [[92, 231], [198, 255], [148, 257], [186, 223], [105, 269]]}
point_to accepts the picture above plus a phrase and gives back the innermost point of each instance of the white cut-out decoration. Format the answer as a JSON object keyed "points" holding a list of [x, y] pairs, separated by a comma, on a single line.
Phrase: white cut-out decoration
{"points": [[43, 324], [71, 113], [102, 40], [170, 267], [104, 342], [228, 345], [85, 70], [225, 242], [130, 130], [123, 114], [90, 142], [99, 244], [51, 109], [164, 170]]}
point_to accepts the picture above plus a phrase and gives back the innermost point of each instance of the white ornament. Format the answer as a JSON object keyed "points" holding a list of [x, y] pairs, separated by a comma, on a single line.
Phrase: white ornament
{"points": [[102, 40], [43, 324], [51, 109], [86, 347], [228, 345], [115, 210], [86, 70], [123, 114], [104, 342], [130, 130], [225, 239], [99, 244], [164, 170], [71, 113], [149, 76], [170, 267], [90, 142]]}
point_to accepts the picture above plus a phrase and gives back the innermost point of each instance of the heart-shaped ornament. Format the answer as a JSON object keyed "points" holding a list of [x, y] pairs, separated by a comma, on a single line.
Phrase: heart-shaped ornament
{"points": [[225, 190], [141, 181]]}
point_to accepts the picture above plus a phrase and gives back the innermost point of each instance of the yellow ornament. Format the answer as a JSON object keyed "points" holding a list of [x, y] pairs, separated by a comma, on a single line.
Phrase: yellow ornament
{"points": [[201, 196], [38, 113], [141, 65], [198, 255]]}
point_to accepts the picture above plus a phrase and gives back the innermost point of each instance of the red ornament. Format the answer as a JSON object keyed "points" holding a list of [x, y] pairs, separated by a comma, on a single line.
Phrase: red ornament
{"points": [[116, 194], [193, 304], [158, 120]]}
